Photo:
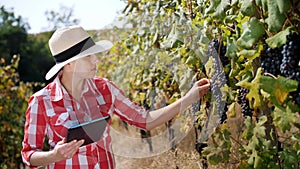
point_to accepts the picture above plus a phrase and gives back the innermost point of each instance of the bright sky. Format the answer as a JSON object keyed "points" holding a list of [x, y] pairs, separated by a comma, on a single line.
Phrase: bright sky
{"points": [[93, 14]]}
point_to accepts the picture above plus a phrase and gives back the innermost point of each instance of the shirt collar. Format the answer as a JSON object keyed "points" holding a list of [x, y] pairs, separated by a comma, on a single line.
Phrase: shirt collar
{"points": [[58, 91]]}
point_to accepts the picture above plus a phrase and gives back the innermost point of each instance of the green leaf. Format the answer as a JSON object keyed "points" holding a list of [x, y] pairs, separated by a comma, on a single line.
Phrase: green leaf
{"points": [[275, 18], [283, 118], [259, 130], [221, 9], [248, 8], [212, 7], [279, 39], [281, 88], [174, 38], [248, 133], [283, 5], [214, 159], [232, 47], [253, 87], [249, 54], [290, 158], [263, 4], [253, 31]]}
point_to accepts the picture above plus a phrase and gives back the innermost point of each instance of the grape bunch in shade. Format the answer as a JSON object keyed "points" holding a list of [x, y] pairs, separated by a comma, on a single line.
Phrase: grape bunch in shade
{"points": [[221, 49], [291, 55], [224, 115], [271, 59], [289, 66], [243, 101]]}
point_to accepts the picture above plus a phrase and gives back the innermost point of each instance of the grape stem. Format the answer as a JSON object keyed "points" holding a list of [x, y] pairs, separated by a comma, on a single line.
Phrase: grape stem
{"points": [[270, 74]]}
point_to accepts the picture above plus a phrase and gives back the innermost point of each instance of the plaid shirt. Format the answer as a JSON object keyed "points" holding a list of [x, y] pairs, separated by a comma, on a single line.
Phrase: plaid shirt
{"points": [[52, 111]]}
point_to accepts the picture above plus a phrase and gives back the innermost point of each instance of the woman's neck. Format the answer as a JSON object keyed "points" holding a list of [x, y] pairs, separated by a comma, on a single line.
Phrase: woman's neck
{"points": [[72, 84]]}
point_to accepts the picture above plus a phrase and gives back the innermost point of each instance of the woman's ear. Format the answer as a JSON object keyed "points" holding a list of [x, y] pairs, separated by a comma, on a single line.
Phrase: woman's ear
{"points": [[68, 65]]}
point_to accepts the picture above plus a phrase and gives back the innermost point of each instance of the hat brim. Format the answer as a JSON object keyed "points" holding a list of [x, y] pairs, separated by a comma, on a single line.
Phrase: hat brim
{"points": [[100, 46]]}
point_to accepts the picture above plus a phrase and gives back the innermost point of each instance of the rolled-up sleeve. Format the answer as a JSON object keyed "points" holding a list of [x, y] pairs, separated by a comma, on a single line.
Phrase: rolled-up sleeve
{"points": [[34, 130], [127, 110]]}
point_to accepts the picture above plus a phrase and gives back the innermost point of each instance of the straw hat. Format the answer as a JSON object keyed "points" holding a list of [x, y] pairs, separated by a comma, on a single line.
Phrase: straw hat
{"points": [[71, 43]]}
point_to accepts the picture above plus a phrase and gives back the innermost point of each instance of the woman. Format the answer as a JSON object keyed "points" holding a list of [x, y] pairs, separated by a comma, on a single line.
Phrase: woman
{"points": [[76, 96]]}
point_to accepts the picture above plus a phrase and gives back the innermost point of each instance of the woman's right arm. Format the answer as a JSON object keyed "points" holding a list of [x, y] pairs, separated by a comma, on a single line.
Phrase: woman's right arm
{"points": [[34, 136]]}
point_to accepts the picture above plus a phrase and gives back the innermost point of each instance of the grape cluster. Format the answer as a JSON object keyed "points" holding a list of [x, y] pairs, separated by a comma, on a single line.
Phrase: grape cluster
{"points": [[243, 101], [221, 49], [289, 67], [224, 115], [291, 55], [284, 61], [271, 60]]}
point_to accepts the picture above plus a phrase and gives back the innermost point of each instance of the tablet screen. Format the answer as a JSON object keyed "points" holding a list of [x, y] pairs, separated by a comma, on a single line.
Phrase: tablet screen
{"points": [[89, 131]]}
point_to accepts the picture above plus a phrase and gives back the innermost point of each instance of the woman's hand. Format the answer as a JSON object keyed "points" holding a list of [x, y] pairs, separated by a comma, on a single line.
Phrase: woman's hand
{"points": [[199, 89], [63, 151]]}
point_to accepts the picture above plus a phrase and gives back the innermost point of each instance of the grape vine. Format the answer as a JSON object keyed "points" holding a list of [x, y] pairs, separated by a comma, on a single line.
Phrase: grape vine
{"points": [[258, 44]]}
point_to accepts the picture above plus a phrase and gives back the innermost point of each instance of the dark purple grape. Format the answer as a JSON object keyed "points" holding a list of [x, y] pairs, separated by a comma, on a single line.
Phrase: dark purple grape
{"points": [[289, 66], [243, 101], [271, 60]]}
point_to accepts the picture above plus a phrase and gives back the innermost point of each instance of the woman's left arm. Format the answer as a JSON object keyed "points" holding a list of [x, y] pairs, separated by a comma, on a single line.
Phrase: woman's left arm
{"points": [[162, 115]]}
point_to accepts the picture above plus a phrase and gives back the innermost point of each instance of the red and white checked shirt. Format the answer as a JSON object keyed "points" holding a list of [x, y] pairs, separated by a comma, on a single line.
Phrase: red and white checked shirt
{"points": [[52, 111]]}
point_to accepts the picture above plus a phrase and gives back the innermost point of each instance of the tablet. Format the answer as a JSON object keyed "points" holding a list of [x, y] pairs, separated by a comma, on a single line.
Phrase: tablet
{"points": [[89, 131]]}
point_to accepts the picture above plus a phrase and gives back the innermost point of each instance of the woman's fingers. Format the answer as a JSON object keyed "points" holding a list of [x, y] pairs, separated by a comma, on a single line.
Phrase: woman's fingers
{"points": [[72, 148], [203, 81], [67, 150], [204, 86]]}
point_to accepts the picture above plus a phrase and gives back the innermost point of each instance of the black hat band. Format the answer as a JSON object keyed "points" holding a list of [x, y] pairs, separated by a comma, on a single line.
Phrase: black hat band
{"points": [[74, 50]]}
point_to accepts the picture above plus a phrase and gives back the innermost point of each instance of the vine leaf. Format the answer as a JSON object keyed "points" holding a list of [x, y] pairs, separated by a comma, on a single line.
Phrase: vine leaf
{"points": [[253, 87], [283, 5], [231, 47], [251, 54], [221, 9], [281, 89], [263, 4], [275, 18], [213, 6], [255, 133], [253, 31], [283, 117], [174, 39], [248, 8], [279, 39]]}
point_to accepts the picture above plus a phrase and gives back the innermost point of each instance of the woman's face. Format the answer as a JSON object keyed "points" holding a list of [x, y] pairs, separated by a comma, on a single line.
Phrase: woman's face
{"points": [[85, 67]]}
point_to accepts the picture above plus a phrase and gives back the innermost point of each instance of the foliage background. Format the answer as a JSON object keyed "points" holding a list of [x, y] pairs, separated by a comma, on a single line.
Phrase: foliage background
{"points": [[158, 56]]}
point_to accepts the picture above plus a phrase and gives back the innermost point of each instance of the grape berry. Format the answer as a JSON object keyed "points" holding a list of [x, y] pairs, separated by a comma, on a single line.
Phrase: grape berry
{"points": [[243, 101], [271, 60]]}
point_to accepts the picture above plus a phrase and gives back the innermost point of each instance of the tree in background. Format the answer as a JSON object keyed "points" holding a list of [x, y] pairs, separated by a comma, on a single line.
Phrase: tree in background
{"points": [[36, 58], [64, 17], [13, 33]]}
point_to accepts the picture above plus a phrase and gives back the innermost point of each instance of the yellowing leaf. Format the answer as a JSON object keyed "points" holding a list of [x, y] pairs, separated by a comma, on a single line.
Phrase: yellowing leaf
{"points": [[254, 88], [280, 94], [278, 88]]}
